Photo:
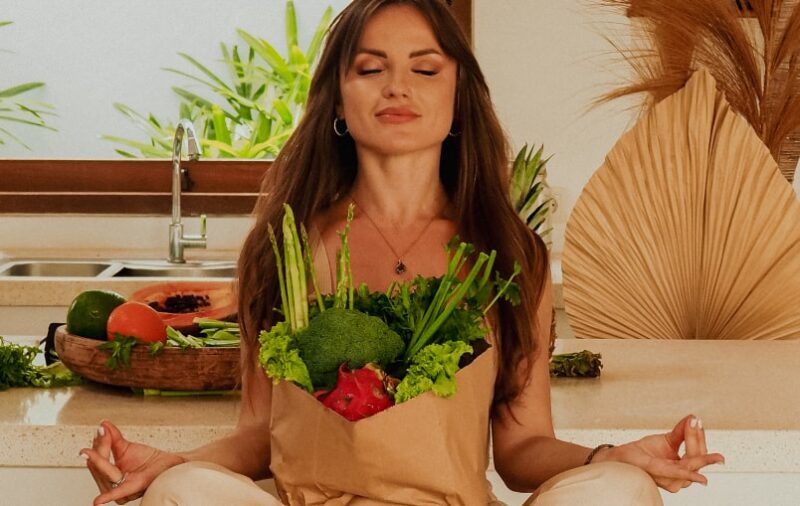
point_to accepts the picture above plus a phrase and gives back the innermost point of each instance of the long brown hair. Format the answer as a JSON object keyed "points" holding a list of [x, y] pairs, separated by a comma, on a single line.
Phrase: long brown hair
{"points": [[316, 167]]}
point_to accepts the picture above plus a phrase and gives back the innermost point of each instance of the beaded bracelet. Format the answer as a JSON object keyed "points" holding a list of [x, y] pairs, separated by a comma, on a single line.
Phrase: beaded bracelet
{"points": [[594, 452]]}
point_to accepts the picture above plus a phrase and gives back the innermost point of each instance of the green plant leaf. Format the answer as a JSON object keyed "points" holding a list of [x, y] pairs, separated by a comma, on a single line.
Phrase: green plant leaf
{"points": [[192, 97], [146, 149], [221, 131], [205, 70], [319, 34], [283, 111], [26, 122], [297, 58], [291, 25], [194, 78], [15, 138], [20, 88], [125, 154], [222, 147], [268, 54]]}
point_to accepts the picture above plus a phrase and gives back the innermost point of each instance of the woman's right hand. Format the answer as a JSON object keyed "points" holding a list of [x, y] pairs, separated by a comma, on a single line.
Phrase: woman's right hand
{"points": [[138, 464]]}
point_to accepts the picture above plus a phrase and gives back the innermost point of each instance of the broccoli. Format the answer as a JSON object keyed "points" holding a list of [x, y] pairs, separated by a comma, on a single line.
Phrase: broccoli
{"points": [[339, 335]]}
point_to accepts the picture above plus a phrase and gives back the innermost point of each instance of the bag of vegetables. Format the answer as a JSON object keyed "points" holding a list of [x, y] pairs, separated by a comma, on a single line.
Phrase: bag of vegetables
{"points": [[382, 396]]}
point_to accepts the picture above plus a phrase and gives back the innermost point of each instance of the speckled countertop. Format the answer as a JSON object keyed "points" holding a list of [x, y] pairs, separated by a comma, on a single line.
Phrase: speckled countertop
{"points": [[744, 391]]}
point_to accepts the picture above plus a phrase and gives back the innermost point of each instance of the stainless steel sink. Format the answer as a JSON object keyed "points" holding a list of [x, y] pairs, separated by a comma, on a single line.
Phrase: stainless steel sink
{"points": [[115, 269], [188, 270], [48, 268]]}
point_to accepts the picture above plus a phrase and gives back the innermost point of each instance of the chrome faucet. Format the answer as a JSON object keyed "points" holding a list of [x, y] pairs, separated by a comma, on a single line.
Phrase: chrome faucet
{"points": [[177, 240]]}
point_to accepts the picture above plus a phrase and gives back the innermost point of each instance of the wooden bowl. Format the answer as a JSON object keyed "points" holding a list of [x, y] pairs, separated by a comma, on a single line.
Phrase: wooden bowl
{"points": [[171, 369]]}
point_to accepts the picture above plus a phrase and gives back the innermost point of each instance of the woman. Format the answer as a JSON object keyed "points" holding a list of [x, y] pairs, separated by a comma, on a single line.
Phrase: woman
{"points": [[399, 121]]}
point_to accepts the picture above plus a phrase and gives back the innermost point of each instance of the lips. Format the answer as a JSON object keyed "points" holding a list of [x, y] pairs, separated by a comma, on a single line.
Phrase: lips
{"points": [[396, 115]]}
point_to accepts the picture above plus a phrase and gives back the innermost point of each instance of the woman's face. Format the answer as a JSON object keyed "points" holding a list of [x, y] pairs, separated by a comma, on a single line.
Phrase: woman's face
{"points": [[398, 95]]}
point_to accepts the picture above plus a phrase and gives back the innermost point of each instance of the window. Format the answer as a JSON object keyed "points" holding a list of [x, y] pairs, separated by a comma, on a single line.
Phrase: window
{"points": [[222, 187]]}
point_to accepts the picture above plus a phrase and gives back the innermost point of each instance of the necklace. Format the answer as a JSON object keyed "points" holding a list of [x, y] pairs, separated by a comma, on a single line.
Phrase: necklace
{"points": [[400, 267]]}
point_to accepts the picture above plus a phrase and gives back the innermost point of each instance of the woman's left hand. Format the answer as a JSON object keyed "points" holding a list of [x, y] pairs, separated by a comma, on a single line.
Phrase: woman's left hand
{"points": [[658, 455]]}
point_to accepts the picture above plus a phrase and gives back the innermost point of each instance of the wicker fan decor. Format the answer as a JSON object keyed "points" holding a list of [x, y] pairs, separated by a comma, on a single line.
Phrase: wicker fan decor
{"points": [[752, 48], [687, 231]]}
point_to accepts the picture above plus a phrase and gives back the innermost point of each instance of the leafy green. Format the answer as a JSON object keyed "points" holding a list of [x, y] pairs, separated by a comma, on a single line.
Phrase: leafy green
{"points": [[17, 369], [55, 375], [581, 364], [280, 358], [426, 315], [433, 369], [120, 349]]}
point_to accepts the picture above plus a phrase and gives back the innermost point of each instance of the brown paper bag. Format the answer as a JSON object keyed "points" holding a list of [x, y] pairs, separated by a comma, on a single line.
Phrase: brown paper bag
{"points": [[429, 450]]}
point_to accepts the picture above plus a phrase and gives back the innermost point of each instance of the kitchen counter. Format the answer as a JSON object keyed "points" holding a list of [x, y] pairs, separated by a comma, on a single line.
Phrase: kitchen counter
{"points": [[743, 390]]}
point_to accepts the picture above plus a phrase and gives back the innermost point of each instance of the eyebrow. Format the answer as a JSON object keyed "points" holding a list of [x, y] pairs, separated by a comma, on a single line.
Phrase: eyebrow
{"points": [[413, 54]]}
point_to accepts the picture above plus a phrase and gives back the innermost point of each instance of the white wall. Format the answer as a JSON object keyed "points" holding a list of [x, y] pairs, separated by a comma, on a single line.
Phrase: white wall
{"points": [[92, 53], [546, 62]]}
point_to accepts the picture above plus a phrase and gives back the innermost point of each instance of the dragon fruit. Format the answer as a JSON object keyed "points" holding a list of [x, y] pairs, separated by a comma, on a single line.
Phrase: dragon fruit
{"points": [[358, 393]]}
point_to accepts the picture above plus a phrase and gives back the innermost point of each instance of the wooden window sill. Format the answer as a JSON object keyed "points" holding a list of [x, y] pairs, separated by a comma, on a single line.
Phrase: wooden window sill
{"points": [[218, 187]]}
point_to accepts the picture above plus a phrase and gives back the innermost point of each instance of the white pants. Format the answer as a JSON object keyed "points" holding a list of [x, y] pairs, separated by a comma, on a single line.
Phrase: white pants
{"points": [[602, 484]]}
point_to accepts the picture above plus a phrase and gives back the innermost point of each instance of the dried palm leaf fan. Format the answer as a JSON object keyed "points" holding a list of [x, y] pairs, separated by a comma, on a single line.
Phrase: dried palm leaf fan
{"points": [[688, 231], [752, 48]]}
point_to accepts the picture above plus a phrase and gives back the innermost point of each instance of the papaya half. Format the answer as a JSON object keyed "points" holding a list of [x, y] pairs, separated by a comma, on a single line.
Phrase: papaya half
{"points": [[180, 302]]}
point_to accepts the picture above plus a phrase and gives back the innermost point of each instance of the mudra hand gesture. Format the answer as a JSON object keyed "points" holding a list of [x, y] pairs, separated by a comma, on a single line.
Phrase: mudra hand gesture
{"points": [[123, 470], [659, 455]]}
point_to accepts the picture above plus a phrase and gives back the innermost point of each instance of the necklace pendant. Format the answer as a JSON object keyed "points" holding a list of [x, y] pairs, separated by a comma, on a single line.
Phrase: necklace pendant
{"points": [[400, 268]]}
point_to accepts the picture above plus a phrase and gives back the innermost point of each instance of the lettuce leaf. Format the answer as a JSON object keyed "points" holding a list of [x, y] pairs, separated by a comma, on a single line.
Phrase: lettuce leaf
{"points": [[280, 358], [434, 369]]}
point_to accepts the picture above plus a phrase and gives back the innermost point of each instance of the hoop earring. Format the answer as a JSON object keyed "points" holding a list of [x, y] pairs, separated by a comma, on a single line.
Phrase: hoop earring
{"points": [[336, 128], [451, 133]]}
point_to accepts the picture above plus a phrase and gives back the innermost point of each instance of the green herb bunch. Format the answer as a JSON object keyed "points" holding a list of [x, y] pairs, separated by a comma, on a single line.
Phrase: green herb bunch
{"points": [[17, 369], [582, 364]]}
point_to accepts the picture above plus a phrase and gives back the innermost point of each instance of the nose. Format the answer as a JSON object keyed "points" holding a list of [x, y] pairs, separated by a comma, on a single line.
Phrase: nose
{"points": [[397, 85]]}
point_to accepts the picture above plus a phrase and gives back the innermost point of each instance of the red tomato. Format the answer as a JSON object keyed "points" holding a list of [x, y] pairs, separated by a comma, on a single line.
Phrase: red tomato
{"points": [[137, 320]]}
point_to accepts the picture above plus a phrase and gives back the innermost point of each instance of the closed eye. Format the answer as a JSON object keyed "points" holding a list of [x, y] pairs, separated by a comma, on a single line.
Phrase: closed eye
{"points": [[426, 72], [365, 72]]}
